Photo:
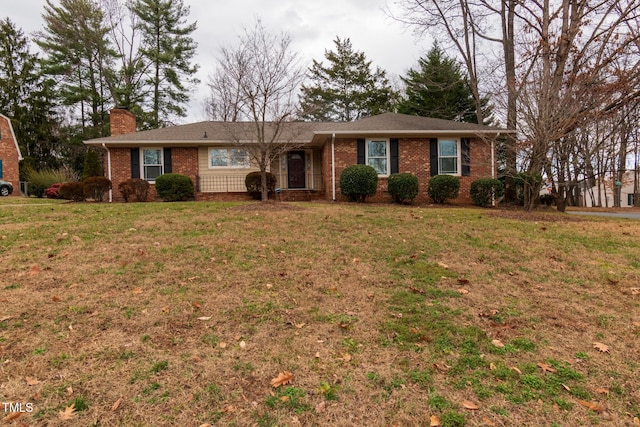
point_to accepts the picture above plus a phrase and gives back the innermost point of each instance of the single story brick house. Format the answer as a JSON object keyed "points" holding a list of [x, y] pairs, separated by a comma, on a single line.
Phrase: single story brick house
{"points": [[214, 157], [10, 155]]}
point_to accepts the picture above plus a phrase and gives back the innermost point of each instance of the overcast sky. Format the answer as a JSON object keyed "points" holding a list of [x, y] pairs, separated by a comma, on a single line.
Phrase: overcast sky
{"points": [[313, 25]]}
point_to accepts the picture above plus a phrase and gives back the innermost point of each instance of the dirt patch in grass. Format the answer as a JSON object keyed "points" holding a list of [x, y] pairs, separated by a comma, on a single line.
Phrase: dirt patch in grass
{"points": [[183, 313]]}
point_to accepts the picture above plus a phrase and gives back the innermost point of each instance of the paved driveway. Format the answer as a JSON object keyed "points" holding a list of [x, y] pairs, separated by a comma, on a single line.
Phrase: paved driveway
{"points": [[617, 214]]}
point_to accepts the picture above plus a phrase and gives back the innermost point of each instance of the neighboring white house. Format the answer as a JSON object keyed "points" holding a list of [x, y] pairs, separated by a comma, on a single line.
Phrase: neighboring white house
{"points": [[602, 195]]}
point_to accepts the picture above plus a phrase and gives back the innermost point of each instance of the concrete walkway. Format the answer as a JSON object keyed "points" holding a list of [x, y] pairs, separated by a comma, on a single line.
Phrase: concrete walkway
{"points": [[617, 214]]}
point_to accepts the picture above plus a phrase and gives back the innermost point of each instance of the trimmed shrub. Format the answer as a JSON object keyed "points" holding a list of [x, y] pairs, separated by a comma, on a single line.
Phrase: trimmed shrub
{"points": [[443, 188], [253, 182], [173, 187], [95, 187], [357, 182], [72, 191], [403, 186], [53, 192], [139, 188], [484, 190]]}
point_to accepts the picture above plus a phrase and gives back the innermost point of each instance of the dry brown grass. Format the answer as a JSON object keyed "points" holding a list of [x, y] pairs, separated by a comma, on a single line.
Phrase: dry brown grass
{"points": [[384, 315]]}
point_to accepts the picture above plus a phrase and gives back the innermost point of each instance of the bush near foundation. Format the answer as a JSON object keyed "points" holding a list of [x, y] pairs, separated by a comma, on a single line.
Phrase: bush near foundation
{"points": [[253, 182], [357, 182], [403, 186], [484, 190], [72, 191], [96, 187], [134, 188], [443, 188], [173, 187]]}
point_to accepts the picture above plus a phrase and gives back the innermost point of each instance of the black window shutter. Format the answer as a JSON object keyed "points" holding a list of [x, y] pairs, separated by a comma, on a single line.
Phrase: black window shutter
{"points": [[466, 157], [433, 155], [394, 155], [361, 159], [135, 163], [167, 160]]}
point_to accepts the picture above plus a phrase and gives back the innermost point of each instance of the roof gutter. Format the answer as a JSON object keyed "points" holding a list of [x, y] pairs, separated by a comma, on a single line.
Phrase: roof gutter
{"points": [[108, 170]]}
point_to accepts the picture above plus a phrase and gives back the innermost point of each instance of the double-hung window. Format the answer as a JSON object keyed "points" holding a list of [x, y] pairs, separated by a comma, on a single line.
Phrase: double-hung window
{"points": [[151, 163], [228, 158], [378, 155], [448, 159]]}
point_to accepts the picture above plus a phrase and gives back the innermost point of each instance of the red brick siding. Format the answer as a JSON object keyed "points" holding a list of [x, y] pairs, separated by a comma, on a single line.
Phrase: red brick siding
{"points": [[413, 158], [9, 156], [121, 122]]}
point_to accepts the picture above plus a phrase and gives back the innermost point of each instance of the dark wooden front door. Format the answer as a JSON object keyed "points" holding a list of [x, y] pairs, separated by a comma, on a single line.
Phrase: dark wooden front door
{"points": [[296, 168]]}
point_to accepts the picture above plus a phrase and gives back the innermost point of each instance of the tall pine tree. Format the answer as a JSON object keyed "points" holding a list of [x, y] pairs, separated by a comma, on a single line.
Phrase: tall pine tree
{"points": [[26, 98], [440, 90], [346, 89], [169, 49]]}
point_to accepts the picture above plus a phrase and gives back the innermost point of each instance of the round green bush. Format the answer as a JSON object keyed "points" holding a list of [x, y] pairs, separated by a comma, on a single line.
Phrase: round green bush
{"points": [[95, 187], [443, 188], [357, 182], [173, 187], [484, 190], [403, 186], [253, 182]]}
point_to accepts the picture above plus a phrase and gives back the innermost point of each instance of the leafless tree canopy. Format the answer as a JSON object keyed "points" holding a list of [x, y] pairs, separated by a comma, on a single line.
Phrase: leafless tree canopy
{"points": [[257, 81]]}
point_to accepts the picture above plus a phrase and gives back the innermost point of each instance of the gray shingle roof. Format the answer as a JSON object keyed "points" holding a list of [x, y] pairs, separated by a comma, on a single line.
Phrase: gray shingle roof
{"points": [[209, 132]]}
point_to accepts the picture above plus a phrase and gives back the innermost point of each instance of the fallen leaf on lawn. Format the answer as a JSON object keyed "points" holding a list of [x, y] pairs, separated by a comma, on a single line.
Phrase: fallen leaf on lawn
{"points": [[320, 407], [443, 265], [12, 416], [636, 421], [166, 309], [602, 391], [435, 421], [591, 405], [487, 422], [566, 387], [56, 298], [463, 291], [497, 343], [513, 368], [463, 281], [284, 398], [283, 378], [492, 366], [5, 318], [205, 425], [299, 325], [32, 381], [68, 413], [635, 291], [116, 405], [470, 405], [317, 355], [347, 357], [228, 409], [137, 291], [196, 305], [34, 270], [601, 347], [69, 391], [243, 345], [204, 318], [223, 345], [546, 368]]}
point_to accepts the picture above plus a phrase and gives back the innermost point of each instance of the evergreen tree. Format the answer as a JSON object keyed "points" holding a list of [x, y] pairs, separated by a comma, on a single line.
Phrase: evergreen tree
{"points": [[347, 89], [440, 90], [26, 98], [78, 53], [169, 48], [92, 164]]}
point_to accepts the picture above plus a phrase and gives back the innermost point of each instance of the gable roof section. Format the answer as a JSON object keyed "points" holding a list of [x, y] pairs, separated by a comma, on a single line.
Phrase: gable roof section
{"points": [[13, 135], [209, 132]]}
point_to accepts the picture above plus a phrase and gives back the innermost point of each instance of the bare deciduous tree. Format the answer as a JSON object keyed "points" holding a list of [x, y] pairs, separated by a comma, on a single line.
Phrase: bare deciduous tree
{"points": [[256, 82]]}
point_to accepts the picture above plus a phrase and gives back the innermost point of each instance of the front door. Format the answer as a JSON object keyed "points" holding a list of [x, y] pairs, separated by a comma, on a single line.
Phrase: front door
{"points": [[296, 168]]}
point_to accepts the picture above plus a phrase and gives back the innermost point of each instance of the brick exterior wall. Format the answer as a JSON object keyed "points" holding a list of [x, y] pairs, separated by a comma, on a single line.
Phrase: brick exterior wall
{"points": [[413, 158], [9, 156]]}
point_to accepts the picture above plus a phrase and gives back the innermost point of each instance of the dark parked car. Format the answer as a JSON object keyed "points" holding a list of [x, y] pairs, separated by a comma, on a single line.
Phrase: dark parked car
{"points": [[6, 188]]}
